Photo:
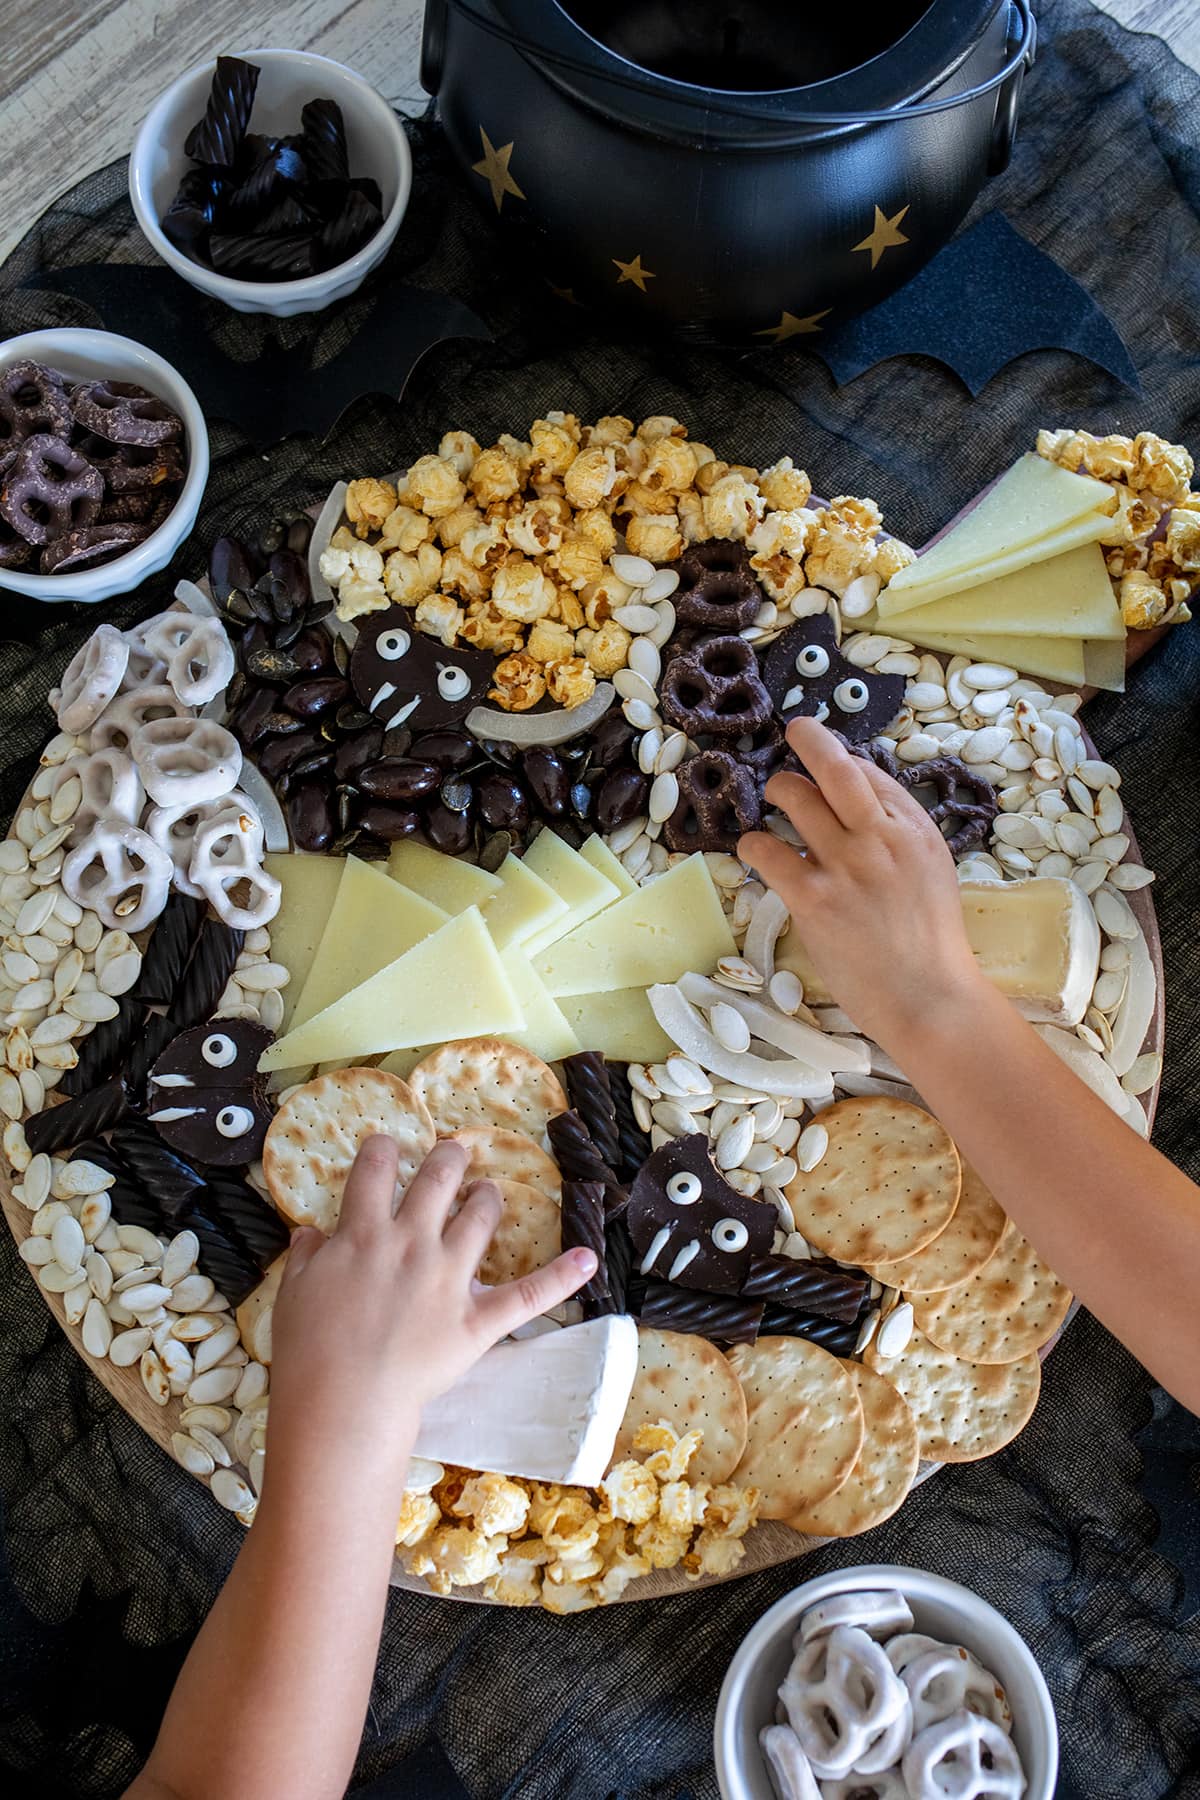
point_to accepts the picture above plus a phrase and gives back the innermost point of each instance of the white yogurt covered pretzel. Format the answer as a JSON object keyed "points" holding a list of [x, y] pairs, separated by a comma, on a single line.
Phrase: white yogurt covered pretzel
{"points": [[120, 873], [186, 761], [91, 679], [195, 651], [841, 1695], [963, 1757], [886, 1786], [110, 787], [790, 1770], [131, 710], [174, 829], [226, 866], [945, 1678], [878, 1613]]}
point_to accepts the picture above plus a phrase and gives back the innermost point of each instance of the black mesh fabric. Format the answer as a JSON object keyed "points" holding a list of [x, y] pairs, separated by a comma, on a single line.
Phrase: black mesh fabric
{"points": [[113, 1555]]}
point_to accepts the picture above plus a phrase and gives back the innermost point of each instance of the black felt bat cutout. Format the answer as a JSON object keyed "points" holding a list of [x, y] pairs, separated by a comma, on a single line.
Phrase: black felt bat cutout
{"points": [[280, 391], [987, 298]]}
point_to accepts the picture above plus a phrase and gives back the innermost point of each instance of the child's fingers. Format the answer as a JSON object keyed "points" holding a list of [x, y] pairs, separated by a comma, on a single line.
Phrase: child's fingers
{"points": [[471, 1229], [780, 865], [808, 811], [306, 1240], [504, 1308], [370, 1191], [434, 1188], [844, 780]]}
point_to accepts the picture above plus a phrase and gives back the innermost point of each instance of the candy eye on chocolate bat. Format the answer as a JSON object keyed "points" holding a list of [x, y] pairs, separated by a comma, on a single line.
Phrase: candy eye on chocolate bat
{"points": [[392, 645], [684, 1189], [729, 1235], [405, 677], [219, 1050], [812, 660], [234, 1121], [453, 683], [852, 696]]}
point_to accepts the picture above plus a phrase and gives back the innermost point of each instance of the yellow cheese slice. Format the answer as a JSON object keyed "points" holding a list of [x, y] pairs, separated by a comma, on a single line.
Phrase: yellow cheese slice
{"points": [[1056, 659], [310, 885], [597, 852], [546, 1030], [620, 1025], [657, 934], [1071, 537], [373, 921], [1069, 596], [1032, 502], [449, 883], [1104, 664], [524, 904], [403, 1062], [450, 985], [584, 889]]}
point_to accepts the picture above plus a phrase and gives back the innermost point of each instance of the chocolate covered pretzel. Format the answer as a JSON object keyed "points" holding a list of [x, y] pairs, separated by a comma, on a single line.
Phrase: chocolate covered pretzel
{"points": [[715, 690], [124, 413], [717, 588], [49, 490], [719, 799]]}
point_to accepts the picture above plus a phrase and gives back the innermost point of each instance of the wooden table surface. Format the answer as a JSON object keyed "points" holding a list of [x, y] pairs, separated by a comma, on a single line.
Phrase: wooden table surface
{"points": [[77, 77]]}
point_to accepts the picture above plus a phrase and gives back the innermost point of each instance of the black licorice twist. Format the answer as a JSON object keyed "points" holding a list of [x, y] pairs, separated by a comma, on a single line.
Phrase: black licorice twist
{"points": [[807, 1286], [721, 1318], [217, 137], [170, 1182], [618, 1250], [103, 1050], [591, 1097], [169, 949], [131, 1205], [634, 1142], [157, 1032], [223, 1261], [831, 1334], [583, 1227], [244, 1216], [578, 1158], [324, 148], [217, 949], [84, 1116]]}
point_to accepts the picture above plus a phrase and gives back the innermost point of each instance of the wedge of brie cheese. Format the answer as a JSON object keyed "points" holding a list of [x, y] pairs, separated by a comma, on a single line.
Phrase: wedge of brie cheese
{"points": [[1037, 941], [547, 1408]]}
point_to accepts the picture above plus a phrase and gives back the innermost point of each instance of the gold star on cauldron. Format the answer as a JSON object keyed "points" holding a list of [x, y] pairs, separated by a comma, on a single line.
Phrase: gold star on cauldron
{"points": [[885, 234], [493, 166], [633, 271], [790, 326]]}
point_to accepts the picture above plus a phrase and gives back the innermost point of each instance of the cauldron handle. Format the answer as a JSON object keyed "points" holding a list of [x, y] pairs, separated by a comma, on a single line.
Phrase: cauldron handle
{"points": [[1008, 98], [433, 45]]}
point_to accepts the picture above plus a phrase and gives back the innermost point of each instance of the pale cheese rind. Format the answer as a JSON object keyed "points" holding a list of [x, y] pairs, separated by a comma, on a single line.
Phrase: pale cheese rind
{"points": [[372, 921], [525, 904], [1069, 596], [451, 985], [585, 890], [310, 885], [655, 935], [448, 882]]}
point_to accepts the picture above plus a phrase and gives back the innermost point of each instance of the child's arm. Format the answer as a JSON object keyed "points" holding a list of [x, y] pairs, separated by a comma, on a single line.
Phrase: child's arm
{"points": [[368, 1325], [876, 905]]}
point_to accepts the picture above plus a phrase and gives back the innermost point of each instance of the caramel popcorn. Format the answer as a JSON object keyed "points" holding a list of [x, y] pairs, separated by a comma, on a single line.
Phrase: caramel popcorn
{"points": [[1160, 468], [671, 464], [495, 476], [597, 527], [486, 629], [520, 683], [891, 556], [631, 1492], [368, 503], [553, 448], [609, 649], [434, 483], [591, 477], [438, 615], [1106, 458], [570, 682], [1183, 537], [405, 529], [659, 426], [419, 1514], [409, 578], [459, 448], [460, 576], [577, 561], [550, 642], [840, 550], [493, 1503], [612, 429], [662, 1546], [484, 544], [520, 591], [784, 487], [657, 538], [536, 529], [1143, 602], [453, 528], [732, 507]]}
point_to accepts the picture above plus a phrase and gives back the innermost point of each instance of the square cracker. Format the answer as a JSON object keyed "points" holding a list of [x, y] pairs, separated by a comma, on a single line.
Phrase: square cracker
{"points": [[957, 1252], [804, 1421], [484, 1081], [1013, 1305], [689, 1383], [317, 1132], [886, 1186], [886, 1466], [964, 1410], [528, 1236], [497, 1155]]}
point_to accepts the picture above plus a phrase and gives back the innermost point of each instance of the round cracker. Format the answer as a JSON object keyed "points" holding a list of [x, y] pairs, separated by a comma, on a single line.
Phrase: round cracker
{"points": [[1013, 1305], [886, 1466], [528, 1236], [886, 1186], [805, 1424], [964, 1410], [497, 1155], [956, 1253], [484, 1081], [686, 1381], [316, 1134]]}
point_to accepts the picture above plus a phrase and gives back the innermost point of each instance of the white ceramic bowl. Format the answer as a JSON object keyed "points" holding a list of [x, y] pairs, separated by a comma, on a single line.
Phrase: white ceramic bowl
{"points": [[374, 136], [940, 1608], [87, 356]]}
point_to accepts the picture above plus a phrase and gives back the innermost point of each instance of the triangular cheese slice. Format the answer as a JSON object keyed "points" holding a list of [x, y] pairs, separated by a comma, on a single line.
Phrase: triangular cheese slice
{"points": [[546, 1031], [1069, 596], [1084, 531], [446, 880], [584, 889], [525, 904], [373, 921], [658, 934], [1032, 502], [597, 852], [620, 1024], [1055, 659], [451, 985], [310, 885]]}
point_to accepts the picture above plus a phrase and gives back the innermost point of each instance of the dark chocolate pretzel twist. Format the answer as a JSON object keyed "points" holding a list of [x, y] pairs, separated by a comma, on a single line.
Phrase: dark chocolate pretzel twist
{"points": [[946, 775]]}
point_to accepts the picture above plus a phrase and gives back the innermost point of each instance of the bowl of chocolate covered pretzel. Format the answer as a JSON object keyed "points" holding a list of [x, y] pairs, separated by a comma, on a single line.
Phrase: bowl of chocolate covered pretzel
{"points": [[103, 462]]}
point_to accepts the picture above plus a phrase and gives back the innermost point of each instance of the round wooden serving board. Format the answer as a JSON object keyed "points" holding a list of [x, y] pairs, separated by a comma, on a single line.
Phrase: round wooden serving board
{"points": [[766, 1545]]}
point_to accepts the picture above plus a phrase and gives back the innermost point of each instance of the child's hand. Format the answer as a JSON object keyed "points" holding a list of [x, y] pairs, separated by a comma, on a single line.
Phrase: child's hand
{"points": [[375, 1320], [875, 901]]}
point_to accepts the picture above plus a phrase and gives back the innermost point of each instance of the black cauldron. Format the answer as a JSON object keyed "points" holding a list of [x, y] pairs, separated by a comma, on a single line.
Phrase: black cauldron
{"points": [[741, 170]]}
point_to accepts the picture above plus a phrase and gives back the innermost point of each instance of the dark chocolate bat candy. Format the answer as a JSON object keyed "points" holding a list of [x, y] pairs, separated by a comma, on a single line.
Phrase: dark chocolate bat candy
{"points": [[207, 1098], [689, 1225], [407, 678], [808, 677]]}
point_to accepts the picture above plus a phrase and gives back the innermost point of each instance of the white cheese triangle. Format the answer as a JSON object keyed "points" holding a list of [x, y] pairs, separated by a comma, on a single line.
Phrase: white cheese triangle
{"points": [[372, 921], [655, 935], [1071, 596]]}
